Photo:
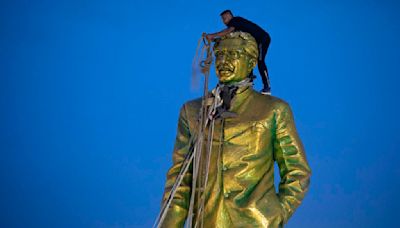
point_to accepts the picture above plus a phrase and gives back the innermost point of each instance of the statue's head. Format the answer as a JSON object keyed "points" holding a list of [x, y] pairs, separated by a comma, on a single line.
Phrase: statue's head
{"points": [[235, 56]]}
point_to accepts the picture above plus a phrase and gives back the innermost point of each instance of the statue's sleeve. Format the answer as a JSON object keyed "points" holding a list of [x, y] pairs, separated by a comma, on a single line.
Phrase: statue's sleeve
{"points": [[293, 167], [177, 212]]}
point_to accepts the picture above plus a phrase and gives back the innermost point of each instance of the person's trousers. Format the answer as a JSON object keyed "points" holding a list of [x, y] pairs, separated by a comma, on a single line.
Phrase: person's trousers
{"points": [[262, 67]]}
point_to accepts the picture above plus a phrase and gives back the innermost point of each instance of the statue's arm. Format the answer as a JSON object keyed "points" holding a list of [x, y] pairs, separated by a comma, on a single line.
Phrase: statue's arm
{"points": [[293, 167], [177, 211]]}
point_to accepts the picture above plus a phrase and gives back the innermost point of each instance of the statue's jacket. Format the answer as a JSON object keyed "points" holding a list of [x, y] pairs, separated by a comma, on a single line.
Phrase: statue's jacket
{"points": [[240, 189]]}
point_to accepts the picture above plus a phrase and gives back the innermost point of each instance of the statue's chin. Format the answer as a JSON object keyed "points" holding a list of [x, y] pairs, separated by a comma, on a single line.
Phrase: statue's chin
{"points": [[229, 77], [225, 75]]}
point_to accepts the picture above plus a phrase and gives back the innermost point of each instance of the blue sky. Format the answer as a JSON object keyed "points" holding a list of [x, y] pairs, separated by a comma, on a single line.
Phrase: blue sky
{"points": [[90, 93]]}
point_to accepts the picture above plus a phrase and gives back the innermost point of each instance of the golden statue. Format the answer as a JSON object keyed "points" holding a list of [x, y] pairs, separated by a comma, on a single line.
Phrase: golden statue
{"points": [[231, 182]]}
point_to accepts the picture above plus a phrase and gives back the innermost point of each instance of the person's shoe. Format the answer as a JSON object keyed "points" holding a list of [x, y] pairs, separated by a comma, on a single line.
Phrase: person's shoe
{"points": [[266, 91]]}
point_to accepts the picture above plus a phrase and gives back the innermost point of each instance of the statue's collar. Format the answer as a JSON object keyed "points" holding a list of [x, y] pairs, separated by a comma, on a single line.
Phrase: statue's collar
{"points": [[237, 87], [228, 98], [240, 97]]}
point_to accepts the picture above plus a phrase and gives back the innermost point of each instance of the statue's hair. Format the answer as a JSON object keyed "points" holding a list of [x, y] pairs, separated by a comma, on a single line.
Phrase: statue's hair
{"points": [[249, 43]]}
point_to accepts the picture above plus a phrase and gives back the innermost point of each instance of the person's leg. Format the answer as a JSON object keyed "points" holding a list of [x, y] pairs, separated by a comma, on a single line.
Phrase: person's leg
{"points": [[262, 67]]}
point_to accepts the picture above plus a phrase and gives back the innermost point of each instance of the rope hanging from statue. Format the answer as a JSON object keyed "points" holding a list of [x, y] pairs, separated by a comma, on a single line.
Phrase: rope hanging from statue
{"points": [[201, 63], [212, 108], [195, 151]]}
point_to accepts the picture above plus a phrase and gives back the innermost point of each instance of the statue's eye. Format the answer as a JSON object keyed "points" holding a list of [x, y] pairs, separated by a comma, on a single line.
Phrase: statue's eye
{"points": [[234, 54], [219, 54]]}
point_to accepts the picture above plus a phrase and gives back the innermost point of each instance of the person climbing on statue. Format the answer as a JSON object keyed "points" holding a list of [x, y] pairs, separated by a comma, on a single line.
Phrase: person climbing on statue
{"points": [[262, 38]]}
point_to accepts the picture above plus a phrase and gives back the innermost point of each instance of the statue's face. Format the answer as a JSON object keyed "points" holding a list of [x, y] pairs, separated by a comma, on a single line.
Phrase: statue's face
{"points": [[232, 63]]}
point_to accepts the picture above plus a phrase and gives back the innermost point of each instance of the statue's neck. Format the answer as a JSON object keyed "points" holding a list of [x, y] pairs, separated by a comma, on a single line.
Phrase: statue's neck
{"points": [[237, 88], [234, 95]]}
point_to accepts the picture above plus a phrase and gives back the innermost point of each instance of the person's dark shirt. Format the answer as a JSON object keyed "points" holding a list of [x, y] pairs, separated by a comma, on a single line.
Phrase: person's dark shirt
{"points": [[241, 24]]}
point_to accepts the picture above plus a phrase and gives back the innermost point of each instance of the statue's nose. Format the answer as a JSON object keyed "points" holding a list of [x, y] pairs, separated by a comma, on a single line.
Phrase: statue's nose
{"points": [[222, 58]]}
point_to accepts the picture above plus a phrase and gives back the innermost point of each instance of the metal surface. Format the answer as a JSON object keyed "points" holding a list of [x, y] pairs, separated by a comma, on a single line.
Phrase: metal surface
{"points": [[231, 183]]}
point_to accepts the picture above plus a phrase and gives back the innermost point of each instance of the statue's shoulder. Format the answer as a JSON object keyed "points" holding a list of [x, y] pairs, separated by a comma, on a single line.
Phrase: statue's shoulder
{"points": [[193, 104], [269, 101], [192, 108]]}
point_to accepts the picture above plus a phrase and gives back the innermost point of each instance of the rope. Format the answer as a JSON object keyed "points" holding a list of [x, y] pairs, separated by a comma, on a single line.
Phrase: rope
{"points": [[195, 152], [197, 61], [205, 65], [184, 168], [207, 118]]}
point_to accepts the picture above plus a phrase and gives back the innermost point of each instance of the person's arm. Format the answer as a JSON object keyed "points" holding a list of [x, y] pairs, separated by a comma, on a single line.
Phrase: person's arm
{"points": [[220, 33], [293, 167], [177, 212]]}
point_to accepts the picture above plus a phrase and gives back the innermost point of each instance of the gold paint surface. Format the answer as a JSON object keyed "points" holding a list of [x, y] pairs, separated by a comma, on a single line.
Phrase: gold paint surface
{"points": [[240, 190], [235, 56]]}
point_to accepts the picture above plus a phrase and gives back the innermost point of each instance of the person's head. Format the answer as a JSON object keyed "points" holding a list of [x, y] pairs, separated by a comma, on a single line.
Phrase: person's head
{"points": [[235, 56], [226, 16]]}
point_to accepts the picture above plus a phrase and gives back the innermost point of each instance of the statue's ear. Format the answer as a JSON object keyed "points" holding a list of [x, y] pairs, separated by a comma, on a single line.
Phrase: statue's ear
{"points": [[252, 63]]}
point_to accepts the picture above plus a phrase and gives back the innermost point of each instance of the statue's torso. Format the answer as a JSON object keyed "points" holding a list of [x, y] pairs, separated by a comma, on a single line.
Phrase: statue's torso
{"points": [[240, 189]]}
